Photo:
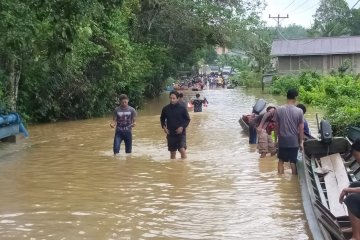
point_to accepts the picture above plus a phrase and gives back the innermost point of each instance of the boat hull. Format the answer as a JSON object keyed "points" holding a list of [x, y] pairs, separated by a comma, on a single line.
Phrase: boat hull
{"points": [[244, 125], [322, 223]]}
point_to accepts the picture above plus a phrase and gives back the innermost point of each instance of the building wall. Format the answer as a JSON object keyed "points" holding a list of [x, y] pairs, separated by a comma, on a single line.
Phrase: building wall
{"points": [[321, 64], [221, 50]]}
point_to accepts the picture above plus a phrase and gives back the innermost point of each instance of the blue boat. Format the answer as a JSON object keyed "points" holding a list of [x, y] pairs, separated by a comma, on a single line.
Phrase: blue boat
{"points": [[11, 125]]}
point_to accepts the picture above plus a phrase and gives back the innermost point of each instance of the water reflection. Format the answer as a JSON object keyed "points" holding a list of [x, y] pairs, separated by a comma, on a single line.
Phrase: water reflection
{"points": [[63, 183]]}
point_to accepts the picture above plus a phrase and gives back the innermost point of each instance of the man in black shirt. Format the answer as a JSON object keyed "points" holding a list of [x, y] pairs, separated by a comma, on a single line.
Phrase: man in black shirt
{"points": [[174, 120]]}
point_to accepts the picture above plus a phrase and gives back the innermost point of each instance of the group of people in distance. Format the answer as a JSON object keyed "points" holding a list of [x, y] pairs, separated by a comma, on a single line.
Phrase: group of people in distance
{"points": [[174, 120]]}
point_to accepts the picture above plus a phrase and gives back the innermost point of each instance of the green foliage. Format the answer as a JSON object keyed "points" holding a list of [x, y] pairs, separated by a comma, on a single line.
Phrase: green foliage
{"points": [[257, 44], [71, 59], [354, 22], [338, 95], [281, 84], [3, 98], [247, 78], [294, 31]]}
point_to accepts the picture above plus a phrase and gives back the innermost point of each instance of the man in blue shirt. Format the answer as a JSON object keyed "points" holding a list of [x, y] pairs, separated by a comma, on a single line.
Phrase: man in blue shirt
{"points": [[306, 125]]}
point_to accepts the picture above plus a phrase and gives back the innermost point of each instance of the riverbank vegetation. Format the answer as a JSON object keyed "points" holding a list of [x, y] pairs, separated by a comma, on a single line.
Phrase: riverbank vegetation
{"points": [[71, 59], [338, 94]]}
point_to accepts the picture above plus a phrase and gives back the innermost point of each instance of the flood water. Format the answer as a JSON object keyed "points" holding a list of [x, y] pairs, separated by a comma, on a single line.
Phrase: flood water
{"points": [[64, 183]]}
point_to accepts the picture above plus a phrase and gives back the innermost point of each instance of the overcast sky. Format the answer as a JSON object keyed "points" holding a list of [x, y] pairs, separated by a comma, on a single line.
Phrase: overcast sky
{"points": [[300, 11]]}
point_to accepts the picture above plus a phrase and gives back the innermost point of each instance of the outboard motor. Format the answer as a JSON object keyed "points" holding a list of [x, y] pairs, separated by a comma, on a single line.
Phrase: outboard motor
{"points": [[259, 106], [325, 131]]}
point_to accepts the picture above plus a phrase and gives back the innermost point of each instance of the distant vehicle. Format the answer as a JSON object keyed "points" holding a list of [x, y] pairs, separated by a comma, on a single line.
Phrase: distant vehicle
{"points": [[214, 69], [227, 70]]}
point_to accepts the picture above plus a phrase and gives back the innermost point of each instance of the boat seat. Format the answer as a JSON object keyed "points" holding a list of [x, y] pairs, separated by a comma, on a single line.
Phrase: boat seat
{"points": [[335, 181]]}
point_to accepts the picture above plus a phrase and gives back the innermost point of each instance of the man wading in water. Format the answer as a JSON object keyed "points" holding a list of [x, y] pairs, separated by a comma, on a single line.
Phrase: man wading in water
{"points": [[174, 120], [197, 102], [124, 121], [289, 128]]}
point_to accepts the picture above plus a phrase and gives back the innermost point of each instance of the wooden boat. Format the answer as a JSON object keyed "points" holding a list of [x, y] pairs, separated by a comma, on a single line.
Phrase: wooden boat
{"points": [[324, 171]]}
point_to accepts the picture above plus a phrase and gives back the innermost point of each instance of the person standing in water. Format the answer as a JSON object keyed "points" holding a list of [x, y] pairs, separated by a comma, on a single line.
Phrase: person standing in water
{"points": [[266, 144], [289, 129], [174, 120], [123, 122], [181, 100], [197, 102], [306, 125]]}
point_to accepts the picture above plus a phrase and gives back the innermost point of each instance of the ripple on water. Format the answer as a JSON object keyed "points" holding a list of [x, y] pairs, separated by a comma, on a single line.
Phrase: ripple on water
{"points": [[68, 185]]}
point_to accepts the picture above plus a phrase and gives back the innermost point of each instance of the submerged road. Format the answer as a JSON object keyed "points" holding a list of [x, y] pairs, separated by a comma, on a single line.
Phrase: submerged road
{"points": [[64, 183]]}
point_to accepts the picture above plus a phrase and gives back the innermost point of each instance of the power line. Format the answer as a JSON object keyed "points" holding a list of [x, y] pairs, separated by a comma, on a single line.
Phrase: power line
{"points": [[308, 42], [282, 35], [298, 6], [355, 4], [277, 19], [289, 5], [332, 29], [307, 9]]}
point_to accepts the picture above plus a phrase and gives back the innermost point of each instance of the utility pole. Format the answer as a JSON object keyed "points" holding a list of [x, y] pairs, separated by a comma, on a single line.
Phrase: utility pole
{"points": [[277, 19]]}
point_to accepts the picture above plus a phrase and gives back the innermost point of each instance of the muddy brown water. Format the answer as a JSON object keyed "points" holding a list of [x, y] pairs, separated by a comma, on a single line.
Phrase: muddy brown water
{"points": [[64, 183]]}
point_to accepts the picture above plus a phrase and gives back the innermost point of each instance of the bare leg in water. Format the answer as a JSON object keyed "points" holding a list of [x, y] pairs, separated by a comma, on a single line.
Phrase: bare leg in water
{"points": [[183, 153], [293, 168], [173, 155], [280, 167]]}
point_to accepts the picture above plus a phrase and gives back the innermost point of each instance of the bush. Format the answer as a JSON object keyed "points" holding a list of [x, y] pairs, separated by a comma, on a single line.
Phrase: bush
{"points": [[280, 85], [337, 94], [247, 78]]}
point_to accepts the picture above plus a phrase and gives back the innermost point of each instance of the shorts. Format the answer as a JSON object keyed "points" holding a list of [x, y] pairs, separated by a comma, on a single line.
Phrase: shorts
{"points": [[288, 154], [352, 201], [176, 142]]}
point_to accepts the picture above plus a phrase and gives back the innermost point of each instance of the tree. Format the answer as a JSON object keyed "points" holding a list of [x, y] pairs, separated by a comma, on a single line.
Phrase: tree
{"points": [[294, 31], [354, 22], [71, 59], [331, 18], [256, 42]]}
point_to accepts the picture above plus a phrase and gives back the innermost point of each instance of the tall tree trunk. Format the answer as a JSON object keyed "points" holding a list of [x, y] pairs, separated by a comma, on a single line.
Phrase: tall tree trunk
{"points": [[14, 71]]}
